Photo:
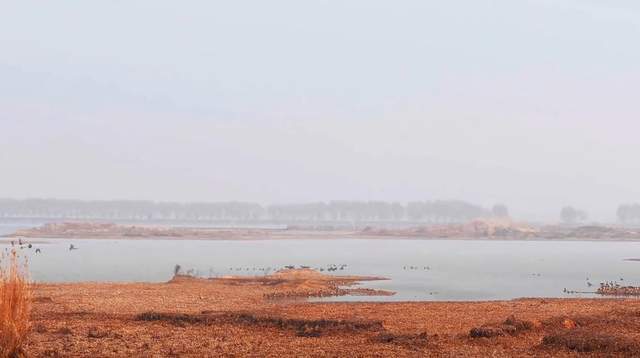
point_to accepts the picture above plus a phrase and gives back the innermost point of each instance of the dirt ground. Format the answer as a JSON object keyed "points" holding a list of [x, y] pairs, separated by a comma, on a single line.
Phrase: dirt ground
{"points": [[270, 317]]}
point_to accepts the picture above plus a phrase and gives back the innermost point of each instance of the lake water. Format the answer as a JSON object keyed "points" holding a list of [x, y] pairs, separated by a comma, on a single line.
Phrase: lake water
{"points": [[442, 269]]}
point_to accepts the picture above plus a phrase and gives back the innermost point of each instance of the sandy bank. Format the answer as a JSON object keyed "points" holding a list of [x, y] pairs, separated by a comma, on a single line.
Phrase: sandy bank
{"points": [[475, 230]]}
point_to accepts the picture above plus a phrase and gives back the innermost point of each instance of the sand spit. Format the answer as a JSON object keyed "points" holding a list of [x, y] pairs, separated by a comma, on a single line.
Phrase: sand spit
{"points": [[481, 229], [299, 283], [510, 230], [503, 229], [86, 230], [234, 316]]}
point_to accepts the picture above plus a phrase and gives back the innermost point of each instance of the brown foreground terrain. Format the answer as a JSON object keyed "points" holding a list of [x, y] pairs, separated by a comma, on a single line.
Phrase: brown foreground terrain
{"points": [[269, 316]]}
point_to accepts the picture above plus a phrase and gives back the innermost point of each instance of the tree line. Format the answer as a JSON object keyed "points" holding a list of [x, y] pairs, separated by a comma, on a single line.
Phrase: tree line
{"points": [[438, 211], [629, 213], [626, 214], [571, 215]]}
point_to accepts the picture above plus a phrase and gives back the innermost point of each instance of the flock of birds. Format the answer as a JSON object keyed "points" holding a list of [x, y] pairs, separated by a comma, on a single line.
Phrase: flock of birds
{"points": [[589, 284], [22, 245], [608, 284], [266, 270], [413, 268], [328, 268]]}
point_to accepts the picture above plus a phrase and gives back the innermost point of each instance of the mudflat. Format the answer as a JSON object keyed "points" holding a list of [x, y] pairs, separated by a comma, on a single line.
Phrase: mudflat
{"points": [[270, 316]]}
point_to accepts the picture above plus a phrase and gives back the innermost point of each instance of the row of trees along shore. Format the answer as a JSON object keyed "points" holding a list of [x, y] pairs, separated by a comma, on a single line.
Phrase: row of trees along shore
{"points": [[629, 213], [439, 211], [626, 213]]}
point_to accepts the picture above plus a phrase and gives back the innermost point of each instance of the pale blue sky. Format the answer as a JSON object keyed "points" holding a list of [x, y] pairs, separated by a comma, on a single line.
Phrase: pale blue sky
{"points": [[531, 103]]}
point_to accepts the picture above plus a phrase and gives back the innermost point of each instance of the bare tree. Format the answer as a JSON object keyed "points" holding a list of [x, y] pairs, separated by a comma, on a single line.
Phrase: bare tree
{"points": [[571, 215], [500, 210]]}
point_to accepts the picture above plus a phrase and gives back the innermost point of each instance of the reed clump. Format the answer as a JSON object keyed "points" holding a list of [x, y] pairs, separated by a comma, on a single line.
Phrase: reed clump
{"points": [[15, 305]]}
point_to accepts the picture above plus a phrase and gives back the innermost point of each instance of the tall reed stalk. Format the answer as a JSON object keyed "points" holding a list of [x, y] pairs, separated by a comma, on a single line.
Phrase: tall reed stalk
{"points": [[15, 305]]}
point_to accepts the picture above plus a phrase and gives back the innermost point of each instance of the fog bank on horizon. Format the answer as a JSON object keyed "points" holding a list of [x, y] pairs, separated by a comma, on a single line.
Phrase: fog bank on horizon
{"points": [[529, 103]]}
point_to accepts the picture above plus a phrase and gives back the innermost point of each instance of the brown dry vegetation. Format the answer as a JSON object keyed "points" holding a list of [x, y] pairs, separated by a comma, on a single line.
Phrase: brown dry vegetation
{"points": [[236, 317], [15, 305]]}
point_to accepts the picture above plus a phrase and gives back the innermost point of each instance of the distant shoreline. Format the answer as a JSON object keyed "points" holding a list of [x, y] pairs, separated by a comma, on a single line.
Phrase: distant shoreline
{"points": [[477, 230], [304, 235]]}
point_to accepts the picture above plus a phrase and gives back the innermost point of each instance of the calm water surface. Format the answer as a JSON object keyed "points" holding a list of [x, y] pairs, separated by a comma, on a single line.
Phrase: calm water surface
{"points": [[442, 269]]}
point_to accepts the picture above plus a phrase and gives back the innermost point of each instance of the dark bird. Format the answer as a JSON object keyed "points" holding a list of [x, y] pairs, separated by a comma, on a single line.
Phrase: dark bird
{"points": [[38, 251], [71, 247]]}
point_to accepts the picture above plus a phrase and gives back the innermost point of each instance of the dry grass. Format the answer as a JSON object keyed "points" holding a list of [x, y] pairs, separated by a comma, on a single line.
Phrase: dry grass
{"points": [[302, 327], [198, 318], [587, 340], [410, 341], [15, 305], [511, 326]]}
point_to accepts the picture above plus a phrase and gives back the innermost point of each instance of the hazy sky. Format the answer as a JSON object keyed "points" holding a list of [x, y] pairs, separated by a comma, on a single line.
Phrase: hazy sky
{"points": [[531, 103]]}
